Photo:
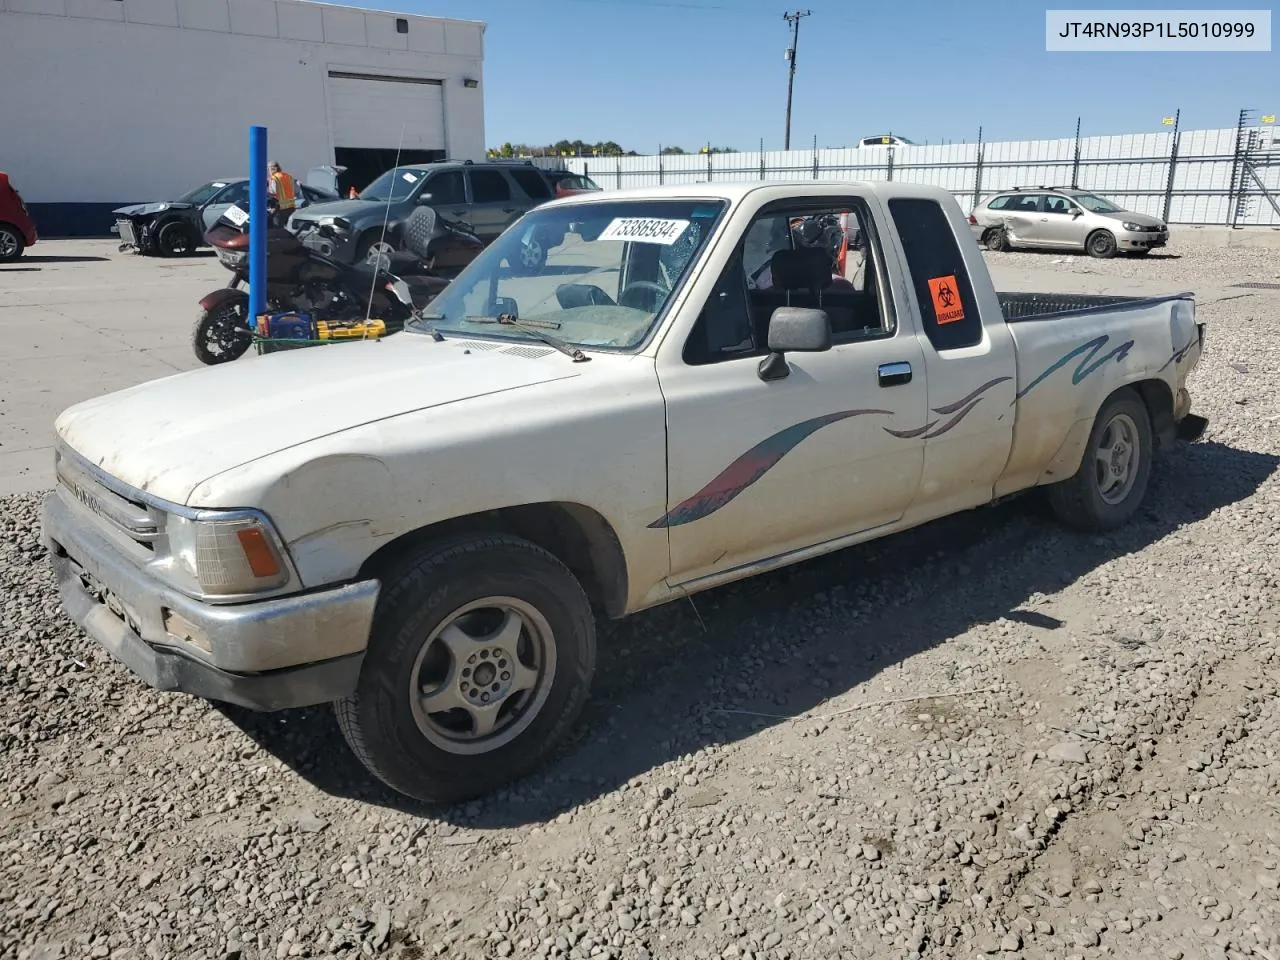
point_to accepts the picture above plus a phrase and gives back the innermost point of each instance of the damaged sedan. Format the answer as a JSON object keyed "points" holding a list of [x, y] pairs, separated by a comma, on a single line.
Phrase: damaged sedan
{"points": [[176, 228]]}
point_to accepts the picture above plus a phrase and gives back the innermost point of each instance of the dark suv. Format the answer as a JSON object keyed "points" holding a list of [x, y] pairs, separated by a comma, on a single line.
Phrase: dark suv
{"points": [[487, 197]]}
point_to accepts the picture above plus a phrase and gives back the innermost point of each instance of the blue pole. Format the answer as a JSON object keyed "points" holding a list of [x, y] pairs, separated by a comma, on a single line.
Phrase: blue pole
{"points": [[257, 224]]}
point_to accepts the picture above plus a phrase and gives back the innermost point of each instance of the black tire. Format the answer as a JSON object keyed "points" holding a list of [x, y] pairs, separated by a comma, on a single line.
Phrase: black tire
{"points": [[371, 238], [996, 240], [11, 243], [222, 334], [1080, 501], [176, 239], [390, 729], [1101, 244]]}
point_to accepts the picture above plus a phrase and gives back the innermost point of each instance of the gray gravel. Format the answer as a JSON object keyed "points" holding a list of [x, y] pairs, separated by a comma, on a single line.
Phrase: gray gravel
{"points": [[1007, 740]]}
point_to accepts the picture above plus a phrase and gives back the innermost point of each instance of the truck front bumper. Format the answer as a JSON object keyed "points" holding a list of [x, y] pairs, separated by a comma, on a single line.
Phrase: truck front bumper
{"points": [[272, 654]]}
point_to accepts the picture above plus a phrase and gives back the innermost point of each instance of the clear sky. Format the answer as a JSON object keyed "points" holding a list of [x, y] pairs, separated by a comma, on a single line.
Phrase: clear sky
{"points": [[650, 72]]}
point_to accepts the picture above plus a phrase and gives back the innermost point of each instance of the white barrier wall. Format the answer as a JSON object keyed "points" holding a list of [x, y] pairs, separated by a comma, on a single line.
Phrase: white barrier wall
{"points": [[1131, 169]]}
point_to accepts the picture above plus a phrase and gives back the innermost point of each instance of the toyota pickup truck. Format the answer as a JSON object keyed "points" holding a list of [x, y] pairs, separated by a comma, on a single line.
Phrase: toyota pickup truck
{"points": [[424, 530]]}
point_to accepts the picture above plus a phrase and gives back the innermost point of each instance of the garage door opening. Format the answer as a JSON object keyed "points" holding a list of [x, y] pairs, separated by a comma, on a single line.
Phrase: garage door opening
{"points": [[366, 164], [372, 113]]}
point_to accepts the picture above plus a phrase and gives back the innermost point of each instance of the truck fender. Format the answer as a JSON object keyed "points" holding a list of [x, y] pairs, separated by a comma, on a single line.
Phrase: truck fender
{"points": [[220, 297]]}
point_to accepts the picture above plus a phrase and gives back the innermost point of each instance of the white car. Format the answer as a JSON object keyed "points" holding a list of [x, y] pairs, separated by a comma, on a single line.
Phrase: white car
{"points": [[423, 529]]}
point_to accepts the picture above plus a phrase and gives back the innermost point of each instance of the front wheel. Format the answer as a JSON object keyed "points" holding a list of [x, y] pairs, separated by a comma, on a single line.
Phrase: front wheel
{"points": [[222, 332], [479, 661], [1101, 244], [1112, 480], [532, 255], [11, 243], [176, 239]]}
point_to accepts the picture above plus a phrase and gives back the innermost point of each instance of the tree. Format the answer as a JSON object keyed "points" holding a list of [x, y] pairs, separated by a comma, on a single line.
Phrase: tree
{"points": [[561, 148], [673, 151]]}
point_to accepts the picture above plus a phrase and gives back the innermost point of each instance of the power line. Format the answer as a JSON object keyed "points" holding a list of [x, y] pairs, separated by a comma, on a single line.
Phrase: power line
{"points": [[793, 19]]}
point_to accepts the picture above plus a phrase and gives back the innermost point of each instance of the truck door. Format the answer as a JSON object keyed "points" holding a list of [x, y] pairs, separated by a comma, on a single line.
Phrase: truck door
{"points": [[969, 359], [758, 468]]}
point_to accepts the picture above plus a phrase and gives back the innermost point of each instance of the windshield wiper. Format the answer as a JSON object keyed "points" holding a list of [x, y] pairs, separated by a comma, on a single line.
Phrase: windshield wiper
{"points": [[508, 320]]}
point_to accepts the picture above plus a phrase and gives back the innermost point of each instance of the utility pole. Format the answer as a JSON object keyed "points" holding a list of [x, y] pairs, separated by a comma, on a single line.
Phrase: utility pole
{"points": [[794, 20]]}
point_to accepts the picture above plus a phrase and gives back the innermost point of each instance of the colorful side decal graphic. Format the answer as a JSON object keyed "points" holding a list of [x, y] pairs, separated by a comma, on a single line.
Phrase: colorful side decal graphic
{"points": [[1086, 366], [1181, 353], [964, 406], [761, 458], [749, 468]]}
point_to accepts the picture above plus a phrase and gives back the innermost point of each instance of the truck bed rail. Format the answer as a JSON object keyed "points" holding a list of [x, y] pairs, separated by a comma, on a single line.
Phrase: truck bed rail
{"points": [[1038, 306]]}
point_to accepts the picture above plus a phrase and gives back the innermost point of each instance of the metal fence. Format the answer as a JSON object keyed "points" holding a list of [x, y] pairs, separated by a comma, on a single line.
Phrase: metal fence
{"points": [[1225, 177]]}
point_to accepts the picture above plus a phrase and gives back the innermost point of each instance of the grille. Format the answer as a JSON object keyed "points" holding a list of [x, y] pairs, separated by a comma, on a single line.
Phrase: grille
{"points": [[1256, 286], [478, 345], [529, 353], [127, 232], [129, 518]]}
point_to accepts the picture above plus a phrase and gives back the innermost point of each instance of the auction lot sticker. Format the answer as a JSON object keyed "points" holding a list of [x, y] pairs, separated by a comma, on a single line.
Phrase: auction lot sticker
{"points": [[645, 230]]}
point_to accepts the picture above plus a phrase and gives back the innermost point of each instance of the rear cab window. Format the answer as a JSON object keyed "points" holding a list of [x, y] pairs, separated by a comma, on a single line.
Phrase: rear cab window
{"points": [[948, 307]]}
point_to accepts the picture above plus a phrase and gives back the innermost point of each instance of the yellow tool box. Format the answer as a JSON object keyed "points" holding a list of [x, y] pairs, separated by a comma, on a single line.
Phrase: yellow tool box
{"points": [[360, 329]]}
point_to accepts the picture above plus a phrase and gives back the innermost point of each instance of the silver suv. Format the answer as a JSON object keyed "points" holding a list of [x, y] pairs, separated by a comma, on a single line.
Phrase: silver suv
{"points": [[1064, 218], [487, 197]]}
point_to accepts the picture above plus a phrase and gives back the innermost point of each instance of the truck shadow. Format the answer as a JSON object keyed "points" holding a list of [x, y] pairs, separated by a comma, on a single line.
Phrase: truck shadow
{"points": [[782, 643]]}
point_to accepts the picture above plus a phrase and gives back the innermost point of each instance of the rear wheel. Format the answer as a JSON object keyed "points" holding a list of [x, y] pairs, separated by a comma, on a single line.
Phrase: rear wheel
{"points": [[1112, 480], [11, 243], [479, 661], [532, 255], [222, 333], [1101, 244]]}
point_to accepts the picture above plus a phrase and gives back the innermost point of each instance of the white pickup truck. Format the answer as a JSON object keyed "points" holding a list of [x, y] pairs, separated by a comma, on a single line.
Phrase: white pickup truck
{"points": [[422, 529]]}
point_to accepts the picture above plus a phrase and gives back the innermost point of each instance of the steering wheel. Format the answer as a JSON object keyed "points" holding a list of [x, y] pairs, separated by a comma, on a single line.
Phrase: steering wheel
{"points": [[657, 288]]}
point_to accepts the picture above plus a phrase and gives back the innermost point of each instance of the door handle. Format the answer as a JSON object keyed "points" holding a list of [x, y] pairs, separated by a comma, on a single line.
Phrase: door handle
{"points": [[892, 374]]}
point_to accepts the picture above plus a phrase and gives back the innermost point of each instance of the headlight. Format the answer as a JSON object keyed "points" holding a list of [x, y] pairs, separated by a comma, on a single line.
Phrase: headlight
{"points": [[338, 223], [226, 557], [1135, 228], [232, 258]]}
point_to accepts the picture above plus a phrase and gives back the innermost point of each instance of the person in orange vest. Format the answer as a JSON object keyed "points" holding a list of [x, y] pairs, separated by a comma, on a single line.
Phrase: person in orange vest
{"points": [[284, 191]]}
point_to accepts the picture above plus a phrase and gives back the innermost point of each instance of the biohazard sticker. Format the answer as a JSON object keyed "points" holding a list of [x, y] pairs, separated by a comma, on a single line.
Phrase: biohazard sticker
{"points": [[645, 230], [946, 299]]}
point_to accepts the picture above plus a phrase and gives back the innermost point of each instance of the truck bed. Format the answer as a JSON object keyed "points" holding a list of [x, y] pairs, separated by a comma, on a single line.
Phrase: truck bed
{"points": [[1018, 307]]}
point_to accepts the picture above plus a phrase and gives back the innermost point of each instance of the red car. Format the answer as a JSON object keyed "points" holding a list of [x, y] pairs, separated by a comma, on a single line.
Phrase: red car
{"points": [[17, 229], [567, 183]]}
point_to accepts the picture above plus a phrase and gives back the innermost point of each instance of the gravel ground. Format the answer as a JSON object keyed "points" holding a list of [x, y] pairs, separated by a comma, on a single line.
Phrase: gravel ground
{"points": [[988, 736]]}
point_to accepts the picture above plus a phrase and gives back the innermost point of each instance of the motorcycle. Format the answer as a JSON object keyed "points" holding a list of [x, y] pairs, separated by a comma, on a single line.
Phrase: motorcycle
{"points": [[301, 278]]}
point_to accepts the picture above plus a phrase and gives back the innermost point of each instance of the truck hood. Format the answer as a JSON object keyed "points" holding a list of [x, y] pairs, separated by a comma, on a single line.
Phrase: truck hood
{"points": [[168, 436]]}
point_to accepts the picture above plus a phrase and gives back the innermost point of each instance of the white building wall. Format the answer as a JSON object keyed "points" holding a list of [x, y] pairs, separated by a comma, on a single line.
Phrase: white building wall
{"points": [[115, 101]]}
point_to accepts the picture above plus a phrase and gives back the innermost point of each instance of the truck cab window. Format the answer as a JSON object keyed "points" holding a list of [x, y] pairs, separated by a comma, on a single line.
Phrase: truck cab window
{"points": [[948, 308], [824, 263]]}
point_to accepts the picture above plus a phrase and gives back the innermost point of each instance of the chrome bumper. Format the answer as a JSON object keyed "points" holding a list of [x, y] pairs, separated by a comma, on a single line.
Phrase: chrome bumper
{"points": [[267, 655]]}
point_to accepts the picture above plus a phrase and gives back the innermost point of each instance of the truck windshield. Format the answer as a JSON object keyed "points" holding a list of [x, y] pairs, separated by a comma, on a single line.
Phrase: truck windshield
{"points": [[1095, 204], [593, 275]]}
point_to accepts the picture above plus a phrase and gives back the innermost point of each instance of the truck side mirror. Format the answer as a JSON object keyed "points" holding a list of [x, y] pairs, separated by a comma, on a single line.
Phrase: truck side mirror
{"points": [[794, 330]]}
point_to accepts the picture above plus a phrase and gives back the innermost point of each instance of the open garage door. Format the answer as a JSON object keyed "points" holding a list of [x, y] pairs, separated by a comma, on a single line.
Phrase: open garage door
{"points": [[367, 112]]}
